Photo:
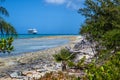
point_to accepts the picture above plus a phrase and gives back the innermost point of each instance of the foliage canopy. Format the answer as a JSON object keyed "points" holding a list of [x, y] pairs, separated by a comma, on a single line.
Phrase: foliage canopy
{"points": [[102, 26], [102, 23]]}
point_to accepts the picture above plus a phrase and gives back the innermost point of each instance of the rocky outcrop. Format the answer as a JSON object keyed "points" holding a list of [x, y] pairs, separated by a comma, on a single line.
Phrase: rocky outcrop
{"points": [[82, 48]]}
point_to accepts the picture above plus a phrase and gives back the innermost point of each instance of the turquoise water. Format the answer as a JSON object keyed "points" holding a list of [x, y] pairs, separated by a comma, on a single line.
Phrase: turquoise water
{"points": [[37, 35], [29, 36], [33, 35], [27, 43], [41, 35]]}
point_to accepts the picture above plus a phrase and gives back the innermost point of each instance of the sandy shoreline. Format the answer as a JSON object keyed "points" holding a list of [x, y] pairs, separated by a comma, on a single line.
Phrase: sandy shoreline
{"points": [[12, 63]]}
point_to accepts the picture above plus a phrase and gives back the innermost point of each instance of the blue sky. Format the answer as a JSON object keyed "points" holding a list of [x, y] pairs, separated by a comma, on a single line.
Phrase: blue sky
{"points": [[47, 16]]}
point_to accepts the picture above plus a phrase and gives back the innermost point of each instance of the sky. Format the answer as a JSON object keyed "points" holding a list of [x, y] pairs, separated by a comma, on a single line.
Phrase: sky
{"points": [[47, 16]]}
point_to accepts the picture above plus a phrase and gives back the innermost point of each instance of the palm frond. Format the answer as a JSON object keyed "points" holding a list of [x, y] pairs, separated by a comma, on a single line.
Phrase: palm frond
{"points": [[3, 11], [7, 29]]}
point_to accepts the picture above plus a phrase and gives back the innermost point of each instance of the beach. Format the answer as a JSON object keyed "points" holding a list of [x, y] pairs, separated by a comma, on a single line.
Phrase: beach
{"points": [[34, 60]]}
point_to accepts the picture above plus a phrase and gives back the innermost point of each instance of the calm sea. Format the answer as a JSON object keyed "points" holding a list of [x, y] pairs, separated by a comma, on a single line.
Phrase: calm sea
{"points": [[37, 35], [34, 35], [27, 43]]}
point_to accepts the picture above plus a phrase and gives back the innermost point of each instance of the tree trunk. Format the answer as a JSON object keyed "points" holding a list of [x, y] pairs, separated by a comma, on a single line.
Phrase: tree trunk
{"points": [[63, 66]]}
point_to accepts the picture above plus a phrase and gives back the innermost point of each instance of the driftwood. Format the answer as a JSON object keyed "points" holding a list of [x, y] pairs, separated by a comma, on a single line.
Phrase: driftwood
{"points": [[77, 51]]}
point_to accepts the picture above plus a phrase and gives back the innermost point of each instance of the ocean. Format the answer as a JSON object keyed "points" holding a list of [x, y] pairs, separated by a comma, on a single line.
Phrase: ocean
{"points": [[28, 43]]}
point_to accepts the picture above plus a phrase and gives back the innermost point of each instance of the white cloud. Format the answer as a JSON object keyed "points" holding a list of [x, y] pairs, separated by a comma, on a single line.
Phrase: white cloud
{"points": [[72, 4], [55, 1]]}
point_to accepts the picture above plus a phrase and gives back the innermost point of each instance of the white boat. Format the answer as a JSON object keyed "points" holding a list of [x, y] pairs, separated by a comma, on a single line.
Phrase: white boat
{"points": [[32, 31]]}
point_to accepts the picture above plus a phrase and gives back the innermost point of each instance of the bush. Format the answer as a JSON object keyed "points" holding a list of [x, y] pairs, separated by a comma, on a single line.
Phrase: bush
{"points": [[6, 45], [64, 56], [108, 71]]}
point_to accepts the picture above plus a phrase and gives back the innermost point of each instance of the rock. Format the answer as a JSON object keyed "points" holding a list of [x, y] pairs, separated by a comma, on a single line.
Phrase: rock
{"points": [[55, 68], [27, 78], [48, 65], [11, 63], [2, 74], [28, 72], [37, 66], [32, 75], [58, 65], [4, 78], [76, 74], [41, 70], [2, 63], [36, 76], [16, 74]]}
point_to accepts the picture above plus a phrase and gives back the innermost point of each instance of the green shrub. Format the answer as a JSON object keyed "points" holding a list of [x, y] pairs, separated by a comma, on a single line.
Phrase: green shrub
{"points": [[108, 71], [64, 56], [6, 45]]}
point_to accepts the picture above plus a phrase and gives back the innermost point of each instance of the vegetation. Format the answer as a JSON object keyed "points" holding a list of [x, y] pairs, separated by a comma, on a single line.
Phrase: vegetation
{"points": [[102, 28], [77, 65], [64, 56], [6, 45], [6, 29], [67, 59], [108, 71], [102, 24]]}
